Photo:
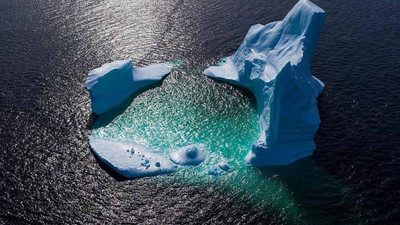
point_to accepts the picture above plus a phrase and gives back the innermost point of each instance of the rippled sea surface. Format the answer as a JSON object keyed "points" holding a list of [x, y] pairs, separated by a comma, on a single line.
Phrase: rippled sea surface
{"points": [[48, 174]]}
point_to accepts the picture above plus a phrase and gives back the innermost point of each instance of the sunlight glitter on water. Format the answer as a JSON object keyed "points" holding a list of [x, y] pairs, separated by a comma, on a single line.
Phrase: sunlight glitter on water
{"points": [[197, 110]]}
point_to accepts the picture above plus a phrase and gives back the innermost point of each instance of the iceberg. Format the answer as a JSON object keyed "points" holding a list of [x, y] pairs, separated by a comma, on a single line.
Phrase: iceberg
{"points": [[273, 62], [112, 83]]}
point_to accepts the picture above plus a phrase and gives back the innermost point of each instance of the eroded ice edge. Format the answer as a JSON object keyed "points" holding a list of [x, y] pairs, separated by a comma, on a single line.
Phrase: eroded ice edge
{"points": [[273, 62]]}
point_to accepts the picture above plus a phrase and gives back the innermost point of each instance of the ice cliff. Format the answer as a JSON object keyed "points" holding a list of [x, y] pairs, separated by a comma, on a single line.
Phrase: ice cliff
{"points": [[274, 62]]}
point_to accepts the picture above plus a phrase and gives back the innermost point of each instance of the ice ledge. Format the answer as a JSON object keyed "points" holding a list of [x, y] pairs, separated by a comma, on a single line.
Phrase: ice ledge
{"points": [[133, 160], [130, 159]]}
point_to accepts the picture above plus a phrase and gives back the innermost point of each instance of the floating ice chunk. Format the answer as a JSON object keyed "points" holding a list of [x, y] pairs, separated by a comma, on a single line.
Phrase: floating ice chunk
{"points": [[219, 169], [188, 155], [224, 166], [115, 155], [114, 82], [274, 62], [214, 171]]}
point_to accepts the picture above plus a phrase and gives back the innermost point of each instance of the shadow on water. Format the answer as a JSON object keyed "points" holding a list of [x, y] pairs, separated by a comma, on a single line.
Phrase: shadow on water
{"points": [[317, 193], [246, 92], [300, 193], [118, 177]]}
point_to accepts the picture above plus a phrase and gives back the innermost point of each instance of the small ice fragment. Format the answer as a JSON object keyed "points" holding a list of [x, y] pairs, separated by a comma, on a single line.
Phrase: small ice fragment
{"points": [[214, 171], [224, 166], [220, 169], [188, 155]]}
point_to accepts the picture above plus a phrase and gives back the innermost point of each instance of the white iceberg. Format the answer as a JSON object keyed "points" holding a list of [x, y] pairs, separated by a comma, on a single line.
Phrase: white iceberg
{"points": [[112, 83], [130, 159], [274, 62], [224, 166]]}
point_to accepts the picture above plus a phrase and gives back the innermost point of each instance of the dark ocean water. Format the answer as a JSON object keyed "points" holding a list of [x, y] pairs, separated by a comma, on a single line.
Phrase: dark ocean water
{"points": [[49, 176]]}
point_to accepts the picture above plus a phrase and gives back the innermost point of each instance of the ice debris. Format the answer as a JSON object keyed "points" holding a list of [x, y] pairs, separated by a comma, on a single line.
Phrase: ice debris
{"points": [[274, 63], [224, 166], [188, 155], [219, 169]]}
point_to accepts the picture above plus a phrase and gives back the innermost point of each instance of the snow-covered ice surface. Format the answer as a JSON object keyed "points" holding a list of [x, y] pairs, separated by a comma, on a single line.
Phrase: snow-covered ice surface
{"points": [[112, 83], [130, 159], [274, 63]]}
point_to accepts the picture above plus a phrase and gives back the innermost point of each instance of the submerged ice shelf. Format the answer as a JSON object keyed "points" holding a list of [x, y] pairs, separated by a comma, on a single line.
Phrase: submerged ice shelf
{"points": [[273, 62]]}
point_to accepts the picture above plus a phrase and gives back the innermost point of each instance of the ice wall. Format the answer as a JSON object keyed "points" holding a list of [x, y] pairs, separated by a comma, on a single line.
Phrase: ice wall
{"points": [[274, 62]]}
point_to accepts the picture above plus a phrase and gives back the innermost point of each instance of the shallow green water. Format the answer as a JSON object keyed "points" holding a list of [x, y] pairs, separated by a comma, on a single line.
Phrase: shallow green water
{"points": [[190, 108]]}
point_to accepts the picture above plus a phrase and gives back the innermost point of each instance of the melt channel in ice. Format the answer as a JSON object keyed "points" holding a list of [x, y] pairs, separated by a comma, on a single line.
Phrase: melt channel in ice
{"points": [[274, 62]]}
